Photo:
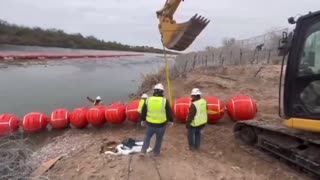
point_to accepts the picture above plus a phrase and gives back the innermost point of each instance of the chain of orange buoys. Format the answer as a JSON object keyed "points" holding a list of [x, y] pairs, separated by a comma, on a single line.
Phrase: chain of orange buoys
{"points": [[239, 107], [9, 56]]}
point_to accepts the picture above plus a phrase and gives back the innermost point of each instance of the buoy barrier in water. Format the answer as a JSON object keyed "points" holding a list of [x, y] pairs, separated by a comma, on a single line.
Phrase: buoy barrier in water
{"points": [[34, 122], [240, 107], [78, 117], [132, 111], [115, 113], [29, 56], [95, 116], [8, 123], [59, 118]]}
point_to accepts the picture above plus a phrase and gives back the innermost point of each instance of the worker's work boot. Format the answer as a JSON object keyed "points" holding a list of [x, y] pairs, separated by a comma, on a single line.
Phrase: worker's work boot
{"points": [[142, 155], [155, 154], [191, 148]]}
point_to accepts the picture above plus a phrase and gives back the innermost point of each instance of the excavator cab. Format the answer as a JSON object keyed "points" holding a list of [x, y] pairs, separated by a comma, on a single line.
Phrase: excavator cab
{"points": [[297, 140], [178, 36], [301, 87]]}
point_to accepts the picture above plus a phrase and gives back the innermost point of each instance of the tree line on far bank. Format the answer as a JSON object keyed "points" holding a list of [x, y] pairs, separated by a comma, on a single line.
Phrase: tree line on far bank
{"points": [[19, 35]]}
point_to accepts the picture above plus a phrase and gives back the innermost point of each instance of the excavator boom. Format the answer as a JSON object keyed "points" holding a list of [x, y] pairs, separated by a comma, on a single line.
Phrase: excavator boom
{"points": [[178, 36]]}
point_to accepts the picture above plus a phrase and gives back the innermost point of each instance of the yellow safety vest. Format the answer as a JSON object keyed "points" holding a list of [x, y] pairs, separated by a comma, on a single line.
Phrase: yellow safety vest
{"points": [[156, 110], [201, 116], [141, 103]]}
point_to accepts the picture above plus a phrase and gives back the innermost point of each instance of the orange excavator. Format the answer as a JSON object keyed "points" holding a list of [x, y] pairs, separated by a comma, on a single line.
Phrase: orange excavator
{"points": [[178, 36]]}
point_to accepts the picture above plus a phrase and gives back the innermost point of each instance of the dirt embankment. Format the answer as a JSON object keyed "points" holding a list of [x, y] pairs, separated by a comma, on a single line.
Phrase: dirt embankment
{"points": [[220, 157]]}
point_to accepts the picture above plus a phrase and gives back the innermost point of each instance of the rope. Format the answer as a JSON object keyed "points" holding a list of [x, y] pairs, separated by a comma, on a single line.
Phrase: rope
{"points": [[168, 74], [211, 112]]}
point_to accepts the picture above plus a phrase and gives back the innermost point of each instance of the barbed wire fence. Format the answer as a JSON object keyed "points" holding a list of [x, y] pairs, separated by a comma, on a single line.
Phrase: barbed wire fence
{"points": [[261, 49], [15, 158]]}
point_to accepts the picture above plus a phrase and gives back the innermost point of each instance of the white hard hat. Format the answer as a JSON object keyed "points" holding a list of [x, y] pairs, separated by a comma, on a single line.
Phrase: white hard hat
{"points": [[98, 98], [159, 86], [144, 96], [195, 91]]}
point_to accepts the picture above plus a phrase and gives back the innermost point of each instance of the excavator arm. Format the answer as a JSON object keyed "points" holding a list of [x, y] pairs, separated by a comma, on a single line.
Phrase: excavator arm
{"points": [[169, 9], [178, 36]]}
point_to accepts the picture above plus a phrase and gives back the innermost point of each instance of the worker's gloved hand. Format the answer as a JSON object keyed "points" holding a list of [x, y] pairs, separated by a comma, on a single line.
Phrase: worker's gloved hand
{"points": [[187, 125], [170, 124], [143, 123]]}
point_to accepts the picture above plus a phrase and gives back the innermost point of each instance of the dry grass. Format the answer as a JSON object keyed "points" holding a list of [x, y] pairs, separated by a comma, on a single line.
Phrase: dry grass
{"points": [[150, 80]]}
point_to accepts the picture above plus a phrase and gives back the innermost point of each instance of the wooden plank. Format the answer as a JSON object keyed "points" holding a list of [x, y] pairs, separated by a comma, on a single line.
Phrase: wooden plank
{"points": [[44, 167]]}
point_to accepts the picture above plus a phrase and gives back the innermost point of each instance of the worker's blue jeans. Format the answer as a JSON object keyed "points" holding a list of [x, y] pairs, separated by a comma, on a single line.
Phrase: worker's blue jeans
{"points": [[159, 131], [194, 137]]}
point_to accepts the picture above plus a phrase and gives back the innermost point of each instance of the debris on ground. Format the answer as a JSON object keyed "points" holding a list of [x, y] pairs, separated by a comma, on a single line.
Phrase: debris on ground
{"points": [[109, 146], [44, 167], [128, 146]]}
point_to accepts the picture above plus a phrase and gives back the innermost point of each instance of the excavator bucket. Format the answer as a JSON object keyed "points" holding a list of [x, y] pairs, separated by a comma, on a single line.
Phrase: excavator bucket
{"points": [[179, 36]]}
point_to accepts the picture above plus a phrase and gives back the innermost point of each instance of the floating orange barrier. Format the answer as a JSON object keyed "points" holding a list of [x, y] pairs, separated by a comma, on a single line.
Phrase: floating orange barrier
{"points": [[62, 55], [132, 111], [34, 122], [59, 119], [78, 117], [95, 116], [8, 123], [115, 113]]}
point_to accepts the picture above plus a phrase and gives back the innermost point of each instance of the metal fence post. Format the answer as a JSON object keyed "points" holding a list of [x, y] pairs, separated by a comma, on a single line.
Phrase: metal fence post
{"points": [[240, 56]]}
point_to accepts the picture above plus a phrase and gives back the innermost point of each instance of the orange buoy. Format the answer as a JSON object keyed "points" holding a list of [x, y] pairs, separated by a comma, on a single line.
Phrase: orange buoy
{"points": [[59, 119], [116, 113], [34, 122], [132, 111], [242, 107], [181, 108], [95, 116], [8, 123], [215, 108], [78, 117]]}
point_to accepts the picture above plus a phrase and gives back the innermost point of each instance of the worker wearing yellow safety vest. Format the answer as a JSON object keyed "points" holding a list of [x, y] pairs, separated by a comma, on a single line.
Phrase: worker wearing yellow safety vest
{"points": [[155, 114], [197, 119], [142, 101]]}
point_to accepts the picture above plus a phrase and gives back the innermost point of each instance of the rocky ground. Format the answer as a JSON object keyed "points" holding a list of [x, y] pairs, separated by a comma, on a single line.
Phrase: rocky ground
{"points": [[221, 157]]}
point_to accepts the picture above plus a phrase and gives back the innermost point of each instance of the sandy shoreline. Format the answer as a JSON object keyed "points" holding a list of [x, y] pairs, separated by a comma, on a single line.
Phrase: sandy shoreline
{"points": [[220, 158]]}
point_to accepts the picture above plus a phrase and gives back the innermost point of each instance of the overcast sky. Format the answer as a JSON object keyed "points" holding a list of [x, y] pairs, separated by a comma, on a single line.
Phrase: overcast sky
{"points": [[134, 22]]}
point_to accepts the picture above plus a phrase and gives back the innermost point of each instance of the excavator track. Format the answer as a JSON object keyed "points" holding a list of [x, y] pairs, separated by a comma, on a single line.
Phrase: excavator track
{"points": [[298, 147]]}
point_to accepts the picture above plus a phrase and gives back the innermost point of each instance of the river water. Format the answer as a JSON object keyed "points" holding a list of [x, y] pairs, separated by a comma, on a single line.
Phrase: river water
{"points": [[61, 83]]}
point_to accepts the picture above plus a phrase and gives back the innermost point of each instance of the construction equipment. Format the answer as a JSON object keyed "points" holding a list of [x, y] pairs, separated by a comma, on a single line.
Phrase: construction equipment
{"points": [[178, 36], [298, 138]]}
